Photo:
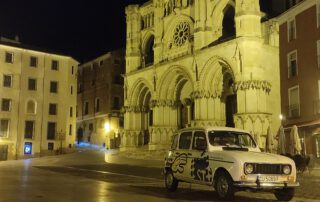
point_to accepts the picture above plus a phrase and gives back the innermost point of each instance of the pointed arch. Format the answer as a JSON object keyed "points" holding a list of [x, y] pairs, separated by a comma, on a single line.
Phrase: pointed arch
{"points": [[173, 81], [147, 48], [222, 11], [140, 93], [212, 75]]}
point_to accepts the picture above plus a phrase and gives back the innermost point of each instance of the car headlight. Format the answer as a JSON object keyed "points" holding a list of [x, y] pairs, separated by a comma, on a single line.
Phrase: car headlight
{"points": [[286, 169], [248, 168]]}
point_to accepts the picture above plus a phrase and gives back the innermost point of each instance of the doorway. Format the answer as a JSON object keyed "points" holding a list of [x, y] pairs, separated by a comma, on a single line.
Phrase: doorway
{"points": [[3, 152]]}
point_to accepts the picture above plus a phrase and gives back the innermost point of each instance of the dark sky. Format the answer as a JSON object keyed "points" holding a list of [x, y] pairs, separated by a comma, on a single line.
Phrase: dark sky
{"points": [[83, 29]]}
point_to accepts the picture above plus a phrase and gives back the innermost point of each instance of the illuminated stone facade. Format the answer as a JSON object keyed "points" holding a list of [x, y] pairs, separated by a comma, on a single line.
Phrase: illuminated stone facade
{"points": [[100, 98], [38, 101], [199, 63]]}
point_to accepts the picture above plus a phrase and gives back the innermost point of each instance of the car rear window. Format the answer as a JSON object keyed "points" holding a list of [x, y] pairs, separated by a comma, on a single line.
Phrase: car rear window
{"points": [[185, 140]]}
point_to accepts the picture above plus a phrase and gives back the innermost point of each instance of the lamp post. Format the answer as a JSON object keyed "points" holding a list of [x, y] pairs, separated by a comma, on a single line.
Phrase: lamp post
{"points": [[107, 129]]}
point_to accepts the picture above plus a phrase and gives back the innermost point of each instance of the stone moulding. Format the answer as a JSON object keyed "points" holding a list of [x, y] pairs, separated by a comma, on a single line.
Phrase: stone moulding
{"points": [[253, 84], [136, 109], [163, 103], [199, 94]]}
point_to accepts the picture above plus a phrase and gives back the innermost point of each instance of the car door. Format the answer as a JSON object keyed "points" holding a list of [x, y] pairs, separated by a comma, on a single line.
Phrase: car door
{"points": [[182, 155], [200, 170]]}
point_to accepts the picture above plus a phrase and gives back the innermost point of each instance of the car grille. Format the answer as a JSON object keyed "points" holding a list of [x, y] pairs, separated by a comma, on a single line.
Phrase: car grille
{"points": [[268, 169]]}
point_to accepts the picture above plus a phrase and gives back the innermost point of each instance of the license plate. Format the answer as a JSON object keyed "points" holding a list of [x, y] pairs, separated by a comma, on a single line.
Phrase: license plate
{"points": [[268, 178]]}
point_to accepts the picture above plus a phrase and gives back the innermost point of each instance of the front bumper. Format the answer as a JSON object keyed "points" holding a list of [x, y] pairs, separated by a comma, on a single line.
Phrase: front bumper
{"points": [[266, 185]]}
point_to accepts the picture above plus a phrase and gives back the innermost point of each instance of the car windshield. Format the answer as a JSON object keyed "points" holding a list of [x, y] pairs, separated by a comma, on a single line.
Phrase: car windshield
{"points": [[230, 138]]}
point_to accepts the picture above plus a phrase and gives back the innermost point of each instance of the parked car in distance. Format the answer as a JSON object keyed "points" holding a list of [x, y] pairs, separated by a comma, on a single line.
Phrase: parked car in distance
{"points": [[229, 160]]}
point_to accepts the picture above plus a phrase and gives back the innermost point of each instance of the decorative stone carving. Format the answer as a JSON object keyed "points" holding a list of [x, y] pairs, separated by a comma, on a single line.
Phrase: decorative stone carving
{"points": [[199, 94], [136, 109], [163, 103], [181, 33], [253, 84], [171, 5]]}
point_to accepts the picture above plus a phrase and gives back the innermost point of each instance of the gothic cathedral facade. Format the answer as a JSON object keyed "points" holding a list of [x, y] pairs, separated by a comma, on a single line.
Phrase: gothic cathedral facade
{"points": [[199, 63]]}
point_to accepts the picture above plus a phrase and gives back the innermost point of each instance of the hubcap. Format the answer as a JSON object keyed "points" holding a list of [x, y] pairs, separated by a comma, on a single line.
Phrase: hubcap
{"points": [[222, 186], [169, 179]]}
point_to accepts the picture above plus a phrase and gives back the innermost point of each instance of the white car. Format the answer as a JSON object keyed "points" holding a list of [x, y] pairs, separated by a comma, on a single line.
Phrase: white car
{"points": [[229, 160]]}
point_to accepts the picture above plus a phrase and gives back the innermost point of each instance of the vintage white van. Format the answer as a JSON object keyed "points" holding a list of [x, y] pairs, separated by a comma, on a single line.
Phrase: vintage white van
{"points": [[229, 160]]}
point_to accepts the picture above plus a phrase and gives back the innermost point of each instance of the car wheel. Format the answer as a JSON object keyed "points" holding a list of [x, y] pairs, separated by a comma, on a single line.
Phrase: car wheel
{"points": [[224, 186], [285, 194], [170, 181]]}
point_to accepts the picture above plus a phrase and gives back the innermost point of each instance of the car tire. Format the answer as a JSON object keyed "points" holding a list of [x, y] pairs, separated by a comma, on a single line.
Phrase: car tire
{"points": [[285, 194], [224, 186], [170, 181]]}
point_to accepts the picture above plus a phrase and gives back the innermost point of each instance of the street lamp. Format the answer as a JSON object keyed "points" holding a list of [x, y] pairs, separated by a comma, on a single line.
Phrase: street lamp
{"points": [[107, 127]]}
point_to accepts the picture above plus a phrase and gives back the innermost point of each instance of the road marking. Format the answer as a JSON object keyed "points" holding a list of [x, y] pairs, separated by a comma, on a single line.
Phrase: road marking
{"points": [[111, 173]]}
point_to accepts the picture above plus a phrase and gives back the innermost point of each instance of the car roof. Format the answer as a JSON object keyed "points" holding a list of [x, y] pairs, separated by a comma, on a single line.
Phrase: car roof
{"points": [[214, 128]]}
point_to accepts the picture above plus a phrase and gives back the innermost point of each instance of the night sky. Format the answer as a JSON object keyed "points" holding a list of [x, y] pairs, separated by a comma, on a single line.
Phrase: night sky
{"points": [[82, 29]]}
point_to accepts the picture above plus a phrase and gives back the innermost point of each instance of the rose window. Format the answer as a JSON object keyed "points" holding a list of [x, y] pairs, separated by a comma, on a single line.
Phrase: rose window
{"points": [[181, 33]]}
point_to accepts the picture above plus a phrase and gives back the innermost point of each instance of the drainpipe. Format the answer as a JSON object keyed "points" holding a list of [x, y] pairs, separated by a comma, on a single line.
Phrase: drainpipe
{"points": [[18, 122], [41, 123]]}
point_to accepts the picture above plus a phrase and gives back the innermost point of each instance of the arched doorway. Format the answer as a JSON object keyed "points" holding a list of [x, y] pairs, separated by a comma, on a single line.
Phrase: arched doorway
{"points": [[146, 115], [176, 87], [229, 97]]}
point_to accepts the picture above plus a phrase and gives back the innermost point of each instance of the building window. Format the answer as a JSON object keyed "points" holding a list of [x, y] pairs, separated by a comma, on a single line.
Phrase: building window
{"points": [[51, 130], [79, 88], [294, 102], [71, 90], [33, 61], [52, 109], [318, 14], [291, 30], [91, 126], [29, 130], [50, 146], [292, 64], [32, 84], [86, 108], [31, 107], [72, 70], [116, 103], [318, 53], [4, 128], [71, 111], [117, 79], [9, 57], [6, 105], [97, 105], [55, 65], [101, 63], [70, 129], [53, 86], [7, 80]]}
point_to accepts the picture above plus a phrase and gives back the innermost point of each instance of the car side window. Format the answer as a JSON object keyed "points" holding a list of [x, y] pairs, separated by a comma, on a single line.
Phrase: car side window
{"points": [[199, 140], [185, 140], [174, 142]]}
